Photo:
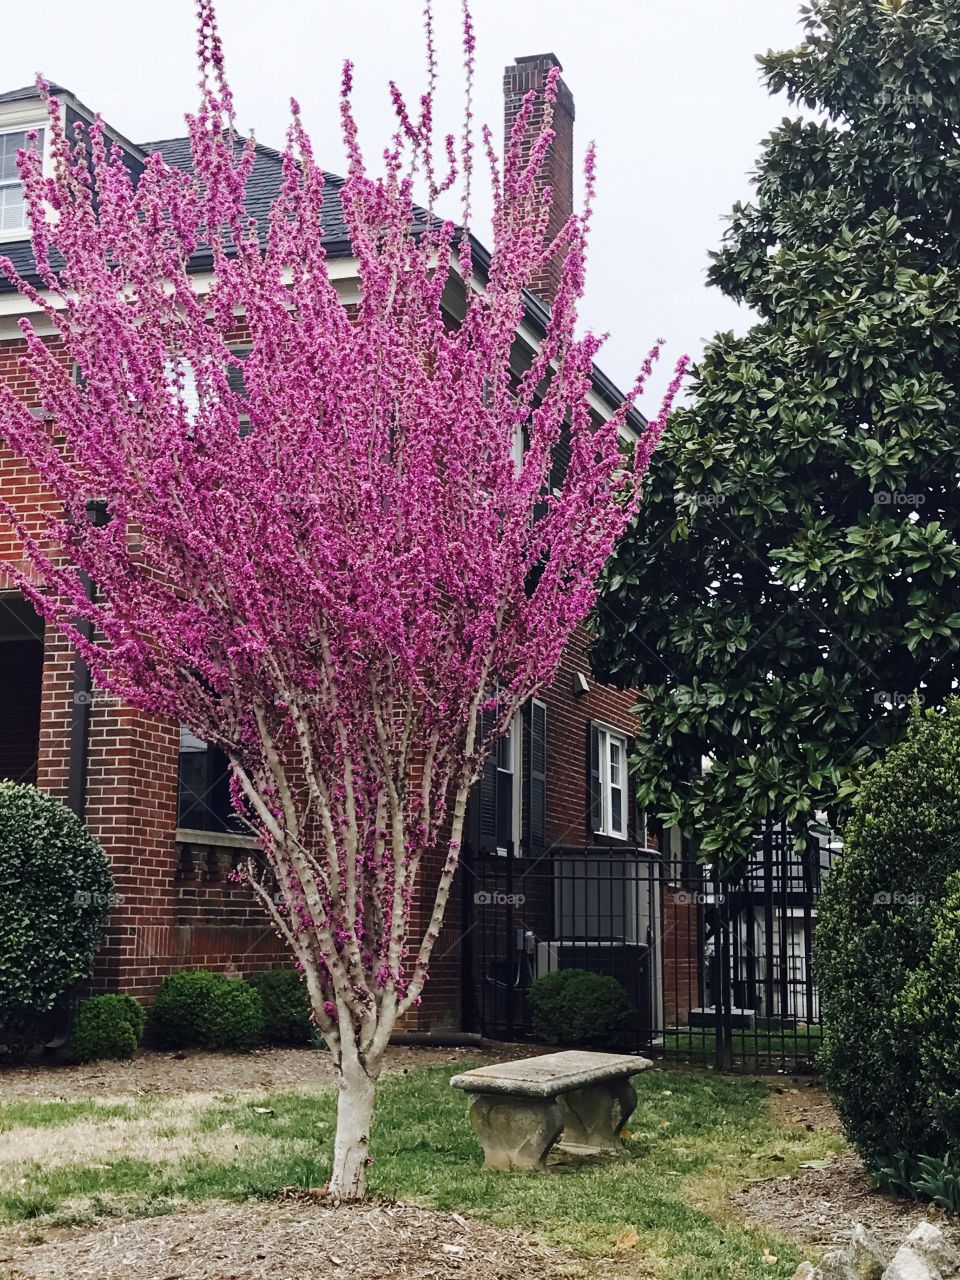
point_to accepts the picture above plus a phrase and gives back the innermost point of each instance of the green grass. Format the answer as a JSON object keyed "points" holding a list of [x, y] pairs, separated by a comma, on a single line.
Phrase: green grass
{"points": [[51, 1115], [693, 1138], [760, 1047]]}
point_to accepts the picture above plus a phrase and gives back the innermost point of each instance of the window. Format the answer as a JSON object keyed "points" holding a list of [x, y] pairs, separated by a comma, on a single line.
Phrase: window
{"points": [[203, 799], [238, 384], [609, 782], [498, 792], [13, 209], [507, 789], [182, 381]]}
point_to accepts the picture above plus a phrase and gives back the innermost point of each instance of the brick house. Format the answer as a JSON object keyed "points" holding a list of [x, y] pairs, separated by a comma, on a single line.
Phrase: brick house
{"points": [[156, 796]]}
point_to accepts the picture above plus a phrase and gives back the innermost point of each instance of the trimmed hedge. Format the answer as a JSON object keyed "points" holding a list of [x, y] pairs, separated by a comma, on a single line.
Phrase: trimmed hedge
{"points": [[931, 1013], [55, 889], [286, 1006], [108, 1026], [203, 1010], [877, 927], [576, 1007]]}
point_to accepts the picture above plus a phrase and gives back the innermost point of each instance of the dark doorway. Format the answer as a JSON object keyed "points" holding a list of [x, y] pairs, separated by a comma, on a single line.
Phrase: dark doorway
{"points": [[21, 677]]}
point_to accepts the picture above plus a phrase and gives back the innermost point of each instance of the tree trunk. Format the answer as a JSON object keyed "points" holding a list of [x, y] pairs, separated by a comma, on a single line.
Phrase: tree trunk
{"points": [[352, 1146]]}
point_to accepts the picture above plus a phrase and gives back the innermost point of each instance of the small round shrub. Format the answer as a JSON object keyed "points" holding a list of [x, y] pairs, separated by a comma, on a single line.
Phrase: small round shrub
{"points": [[875, 931], [106, 1027], [286, 1006], [136, 1014], [55, 888], [202, 1010], [576, 1007]]}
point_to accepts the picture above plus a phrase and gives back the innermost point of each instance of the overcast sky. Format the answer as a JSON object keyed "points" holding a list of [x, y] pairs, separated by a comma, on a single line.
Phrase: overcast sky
{"points": [[668, 89]]}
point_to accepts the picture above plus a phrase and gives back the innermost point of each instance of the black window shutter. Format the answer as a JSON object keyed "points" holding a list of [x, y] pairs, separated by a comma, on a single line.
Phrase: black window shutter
{"points": [[596, 794], [561, 458], [538, 777], [488, 790], [634, 823], [235, 378]]}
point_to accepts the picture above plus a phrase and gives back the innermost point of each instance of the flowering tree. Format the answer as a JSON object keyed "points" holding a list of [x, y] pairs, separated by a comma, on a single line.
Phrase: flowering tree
{"points": [[335, 595]]}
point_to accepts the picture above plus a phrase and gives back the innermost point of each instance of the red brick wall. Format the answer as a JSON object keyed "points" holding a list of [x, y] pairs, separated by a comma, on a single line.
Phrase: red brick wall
{"points": [[568, 732], [169, 912], [682, 957]]}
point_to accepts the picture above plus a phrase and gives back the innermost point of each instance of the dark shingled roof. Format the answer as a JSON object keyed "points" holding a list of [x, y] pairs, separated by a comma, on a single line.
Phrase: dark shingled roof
{"points": [[262, 189], [29, 91]]}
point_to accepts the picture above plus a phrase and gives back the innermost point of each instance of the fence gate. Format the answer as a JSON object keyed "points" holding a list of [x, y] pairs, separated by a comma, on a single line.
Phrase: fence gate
{"points": [[715, 971]]}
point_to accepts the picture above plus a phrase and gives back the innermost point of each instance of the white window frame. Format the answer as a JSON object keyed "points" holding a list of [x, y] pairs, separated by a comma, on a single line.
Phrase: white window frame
{"points": [[42, 125], [613, 777], [512, 740]]}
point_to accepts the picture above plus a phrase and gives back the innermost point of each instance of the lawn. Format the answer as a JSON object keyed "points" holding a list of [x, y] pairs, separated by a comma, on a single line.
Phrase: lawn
{"points": [[758, 1048], [660, 1210]]}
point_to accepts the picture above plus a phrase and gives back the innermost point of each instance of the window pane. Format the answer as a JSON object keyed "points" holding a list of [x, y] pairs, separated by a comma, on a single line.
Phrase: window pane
{"points": [[10, 144], [614, 762], [616, 811], [204, 790], [13, 214], [505, 751], [188, 394]]}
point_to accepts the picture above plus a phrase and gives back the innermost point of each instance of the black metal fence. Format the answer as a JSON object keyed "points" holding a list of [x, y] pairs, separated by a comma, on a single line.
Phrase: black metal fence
{"points": [[716, 970]]}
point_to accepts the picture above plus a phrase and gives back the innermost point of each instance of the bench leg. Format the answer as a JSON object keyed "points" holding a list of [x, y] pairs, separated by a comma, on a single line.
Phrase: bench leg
{"points": [[593, 1117], [515, 1133]]}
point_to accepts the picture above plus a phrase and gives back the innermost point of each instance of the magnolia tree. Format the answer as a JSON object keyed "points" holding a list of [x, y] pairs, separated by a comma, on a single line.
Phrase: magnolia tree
{"points": [[343, 572]]}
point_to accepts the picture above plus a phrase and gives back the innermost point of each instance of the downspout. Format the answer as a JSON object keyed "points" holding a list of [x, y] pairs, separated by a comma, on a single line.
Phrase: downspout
{"points": [[82, 694], [82, 691]]}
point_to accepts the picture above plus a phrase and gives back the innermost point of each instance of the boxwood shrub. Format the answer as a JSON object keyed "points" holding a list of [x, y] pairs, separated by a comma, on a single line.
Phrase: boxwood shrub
{"points": [[202, 1010], [286, 1006], [931, 1014], [877, 929], [576, 1007], [55, 888], [109, 1026]]}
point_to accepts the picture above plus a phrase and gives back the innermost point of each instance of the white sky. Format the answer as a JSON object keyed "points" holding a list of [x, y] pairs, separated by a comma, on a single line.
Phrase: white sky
{"points": [[668, 88]]}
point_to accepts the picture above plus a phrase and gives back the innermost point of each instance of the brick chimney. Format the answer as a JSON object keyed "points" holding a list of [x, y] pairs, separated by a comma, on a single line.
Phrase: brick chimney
{"points": [[531, 73]]}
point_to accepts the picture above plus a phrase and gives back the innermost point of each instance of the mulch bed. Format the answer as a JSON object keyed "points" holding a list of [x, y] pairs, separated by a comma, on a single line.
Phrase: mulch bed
{"points": [[295, 1239], [820, 1206], [270, 1070]]}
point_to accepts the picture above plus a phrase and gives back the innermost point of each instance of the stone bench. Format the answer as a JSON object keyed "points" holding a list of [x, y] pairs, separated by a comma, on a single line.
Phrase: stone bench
{"points": [[519, 1109]]}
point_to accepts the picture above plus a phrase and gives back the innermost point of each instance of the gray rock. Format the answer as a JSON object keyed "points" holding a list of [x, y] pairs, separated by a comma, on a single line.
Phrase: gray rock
{"points": [[867, 1259], [924, 1255], [836, 1266], [805, 1271], [907, 1264]]}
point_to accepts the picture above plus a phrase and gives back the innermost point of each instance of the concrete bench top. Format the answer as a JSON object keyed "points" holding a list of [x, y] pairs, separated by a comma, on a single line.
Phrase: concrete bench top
{"points": [[550, 1074]]}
